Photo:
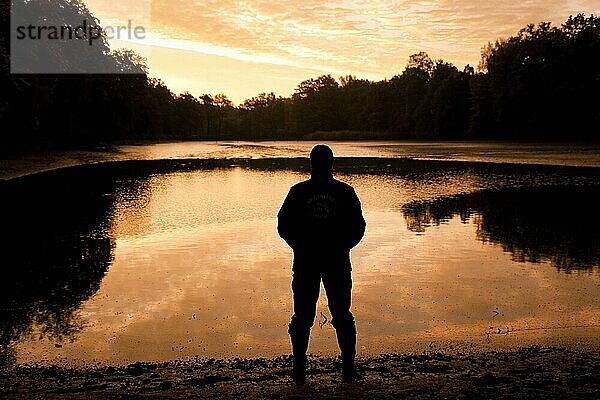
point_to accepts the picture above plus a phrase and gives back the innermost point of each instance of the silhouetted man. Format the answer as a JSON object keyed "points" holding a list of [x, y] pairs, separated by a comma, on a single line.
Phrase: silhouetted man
{"points": [[321, 219]]}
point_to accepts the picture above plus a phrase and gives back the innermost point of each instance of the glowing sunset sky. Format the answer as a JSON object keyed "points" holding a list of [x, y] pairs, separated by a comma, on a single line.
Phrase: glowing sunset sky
{"points": [[241, 48]]}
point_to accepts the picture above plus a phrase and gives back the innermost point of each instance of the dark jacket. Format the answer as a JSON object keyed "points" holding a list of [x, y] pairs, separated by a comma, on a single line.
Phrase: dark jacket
{"points": [[321, 219]]}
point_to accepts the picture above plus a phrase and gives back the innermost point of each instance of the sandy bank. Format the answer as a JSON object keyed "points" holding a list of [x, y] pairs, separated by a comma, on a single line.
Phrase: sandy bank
{"points": [[22, 164], [525, 374]]}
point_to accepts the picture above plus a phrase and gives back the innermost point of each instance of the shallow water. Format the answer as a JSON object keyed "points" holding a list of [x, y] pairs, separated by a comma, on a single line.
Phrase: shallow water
{"points": [[564, 154], [151, 262], [571, 154]]}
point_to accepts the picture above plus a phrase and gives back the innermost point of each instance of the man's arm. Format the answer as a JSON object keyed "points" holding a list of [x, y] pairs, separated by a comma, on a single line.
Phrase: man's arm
{"points": [[287, 225], [356, 221]]}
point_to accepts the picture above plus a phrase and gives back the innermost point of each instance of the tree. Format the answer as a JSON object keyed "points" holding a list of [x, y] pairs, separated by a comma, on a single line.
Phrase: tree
{"points": [[541, 83], [223, 106], [421, 61]]}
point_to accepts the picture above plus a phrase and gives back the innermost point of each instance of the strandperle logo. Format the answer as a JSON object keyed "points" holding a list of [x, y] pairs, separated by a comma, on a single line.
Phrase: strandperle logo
{"points": [[85, 31], [65, 37]]}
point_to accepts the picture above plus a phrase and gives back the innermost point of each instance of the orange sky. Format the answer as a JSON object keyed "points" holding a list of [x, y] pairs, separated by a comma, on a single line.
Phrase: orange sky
{"points": [[241, 48]]}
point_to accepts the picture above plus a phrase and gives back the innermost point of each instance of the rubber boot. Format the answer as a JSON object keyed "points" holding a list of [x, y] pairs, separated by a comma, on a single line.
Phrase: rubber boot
{"points": [[299, 347], [348, 370], [299, 369], [347, 342]]}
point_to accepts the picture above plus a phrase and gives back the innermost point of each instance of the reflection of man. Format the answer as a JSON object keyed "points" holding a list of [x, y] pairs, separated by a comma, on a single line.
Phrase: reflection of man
{"points": [[321, 219]]}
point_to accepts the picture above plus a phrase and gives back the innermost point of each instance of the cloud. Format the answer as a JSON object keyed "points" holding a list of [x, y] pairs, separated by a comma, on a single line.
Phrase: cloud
{"points": [[368, 38], [364, 36]]}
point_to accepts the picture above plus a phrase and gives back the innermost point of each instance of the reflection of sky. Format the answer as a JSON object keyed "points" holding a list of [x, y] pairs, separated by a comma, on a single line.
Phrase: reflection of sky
{"points": [[199, 270], [585, 154], [292, 40]]}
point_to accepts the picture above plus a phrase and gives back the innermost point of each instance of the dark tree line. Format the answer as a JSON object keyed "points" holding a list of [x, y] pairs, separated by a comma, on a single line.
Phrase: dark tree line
{"points": [[542, 83]]}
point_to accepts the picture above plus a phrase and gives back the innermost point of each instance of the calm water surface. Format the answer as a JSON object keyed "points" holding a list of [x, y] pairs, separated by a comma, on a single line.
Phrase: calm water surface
{"points": [[573, 154], [116, 264]]}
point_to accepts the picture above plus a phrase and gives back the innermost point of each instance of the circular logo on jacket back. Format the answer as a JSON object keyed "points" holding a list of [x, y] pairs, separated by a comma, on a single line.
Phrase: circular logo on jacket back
{"points": [[322, 206]]}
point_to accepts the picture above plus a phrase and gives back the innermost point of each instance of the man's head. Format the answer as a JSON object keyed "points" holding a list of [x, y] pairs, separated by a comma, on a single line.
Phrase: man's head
{"points": [[321, 159]]}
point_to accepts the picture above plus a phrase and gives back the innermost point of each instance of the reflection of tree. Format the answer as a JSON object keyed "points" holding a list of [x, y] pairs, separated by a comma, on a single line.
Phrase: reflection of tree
{"points": [[555, 224], [56, 253]]}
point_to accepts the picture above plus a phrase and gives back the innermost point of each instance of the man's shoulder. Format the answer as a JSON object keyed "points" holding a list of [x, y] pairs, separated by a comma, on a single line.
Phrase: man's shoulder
{"points": [[301, 185], [343, 186], [300, 188], [310, 185]]}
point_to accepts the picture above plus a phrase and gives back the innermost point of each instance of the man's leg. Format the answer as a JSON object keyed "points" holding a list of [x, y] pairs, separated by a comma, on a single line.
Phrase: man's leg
{"points": [[338, 286], [306, 286]]}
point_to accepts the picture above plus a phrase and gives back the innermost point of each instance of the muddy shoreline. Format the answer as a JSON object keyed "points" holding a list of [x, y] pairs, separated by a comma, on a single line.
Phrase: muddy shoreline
{"points": [[26, 163], [529, 373]]}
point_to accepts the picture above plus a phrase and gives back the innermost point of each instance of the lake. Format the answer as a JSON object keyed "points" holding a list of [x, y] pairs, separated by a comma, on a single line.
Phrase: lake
{"points": [[171, 251]]}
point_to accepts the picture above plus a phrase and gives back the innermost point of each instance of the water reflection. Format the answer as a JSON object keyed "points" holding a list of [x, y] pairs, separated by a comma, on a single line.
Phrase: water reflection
{"points": [[55, 253], [197, 268], [583, 154], [555, 224]]}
